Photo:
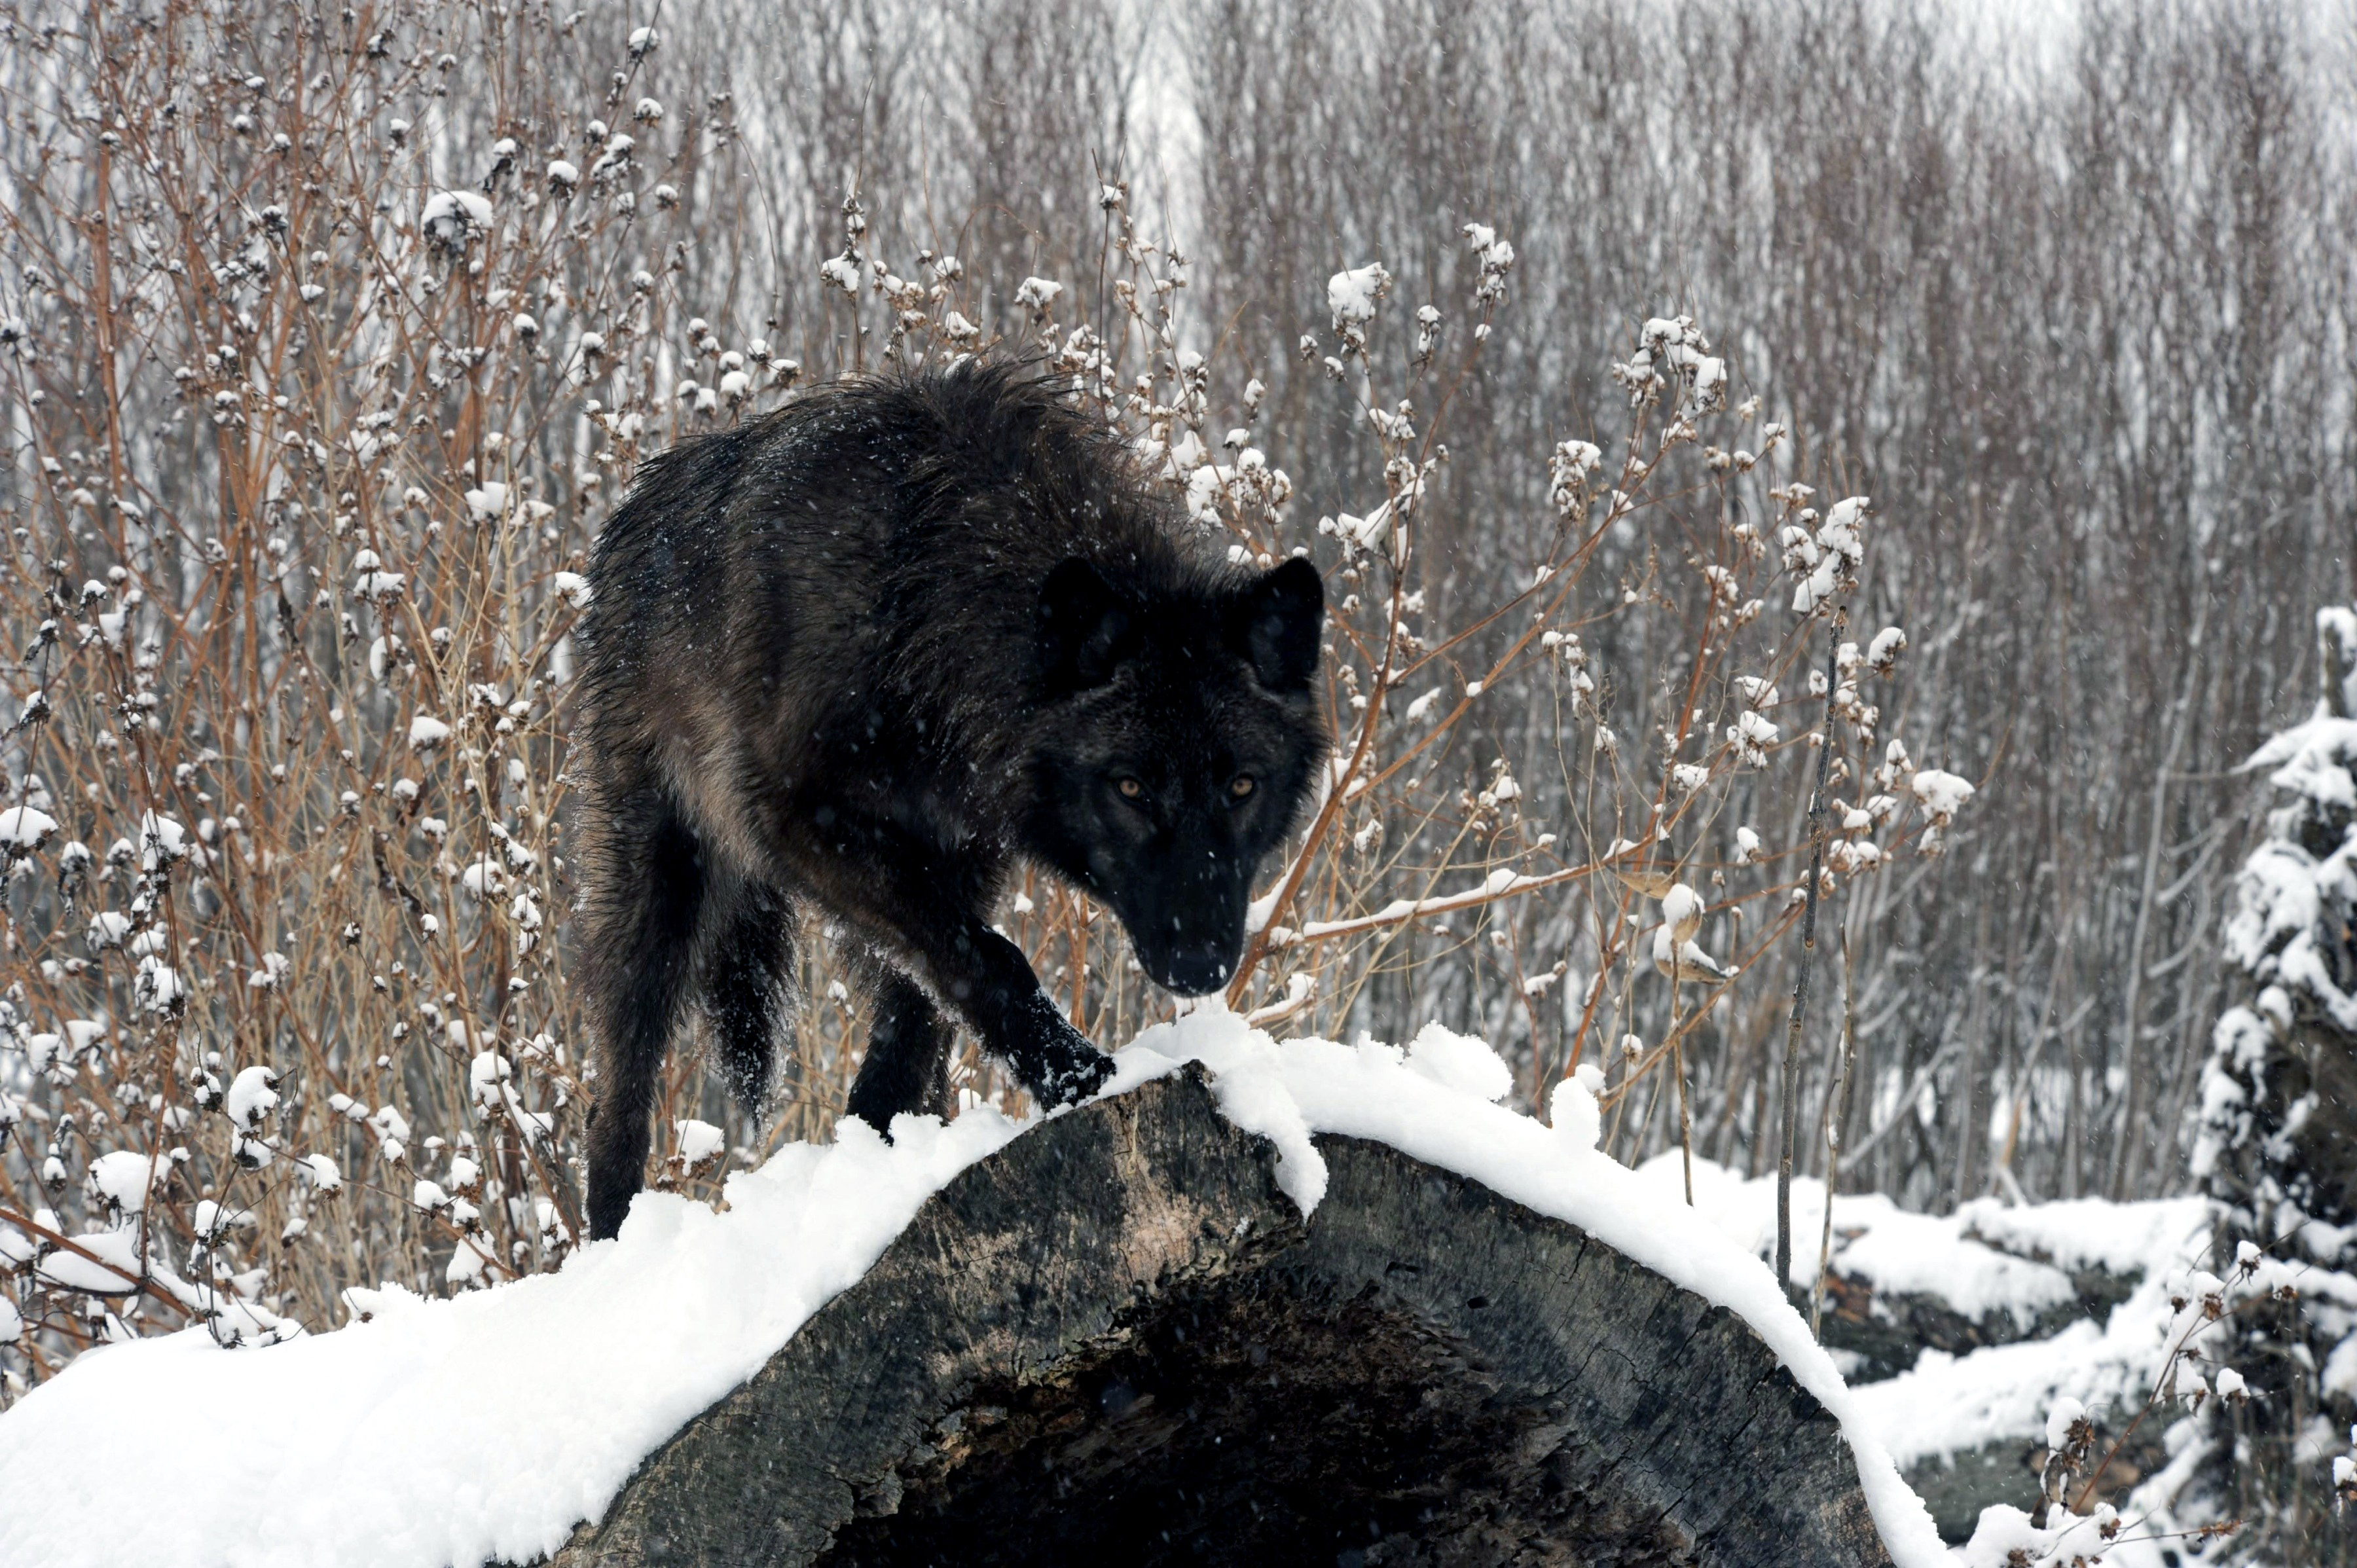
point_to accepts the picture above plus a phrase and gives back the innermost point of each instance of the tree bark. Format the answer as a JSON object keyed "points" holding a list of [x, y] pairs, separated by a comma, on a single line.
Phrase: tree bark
{"points": [[1119, 1341]]}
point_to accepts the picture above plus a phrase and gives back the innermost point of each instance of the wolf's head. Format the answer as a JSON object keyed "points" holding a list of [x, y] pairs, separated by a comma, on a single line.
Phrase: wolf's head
{"points": [[1181, 738]]}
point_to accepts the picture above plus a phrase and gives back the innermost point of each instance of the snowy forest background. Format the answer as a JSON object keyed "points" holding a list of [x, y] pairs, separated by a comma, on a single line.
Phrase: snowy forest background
{"points": [[2069, 296]]}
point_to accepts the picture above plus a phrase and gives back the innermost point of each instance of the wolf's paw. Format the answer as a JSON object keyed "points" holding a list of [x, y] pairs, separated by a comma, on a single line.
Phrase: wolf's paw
{"points": [[1072, 1081], [1055, 1061]]}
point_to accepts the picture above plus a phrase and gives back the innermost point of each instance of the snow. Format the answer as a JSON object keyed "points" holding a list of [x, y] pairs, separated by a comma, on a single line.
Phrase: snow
{"points": [[2287, 902], [1459, 1062], [1984, 1259], [23, 827], [1352, 295], [454, 217], [843, 271], [699, 1141], [1367, 532], [1691, 962], [1682, 910], [124, 1178], [2067, 1412], [2090, 1233], [1498, 883], [1942, 794], [489, 504], [1950, 1404], [2005, 1536], [461, 1431], [1875, 1240], [251, 1097], [162, 841]]}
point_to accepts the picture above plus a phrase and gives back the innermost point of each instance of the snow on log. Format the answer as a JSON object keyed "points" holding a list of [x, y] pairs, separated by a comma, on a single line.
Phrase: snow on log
{"points": [[1290, 1301], [1117, 1340]]}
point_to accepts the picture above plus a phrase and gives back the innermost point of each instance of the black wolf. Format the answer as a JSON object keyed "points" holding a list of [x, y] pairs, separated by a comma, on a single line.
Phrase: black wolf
{"points": [[865, 654]]}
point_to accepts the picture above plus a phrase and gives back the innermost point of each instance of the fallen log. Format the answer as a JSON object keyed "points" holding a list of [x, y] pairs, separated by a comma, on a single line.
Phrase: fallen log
{"points": [[1117, 1339]]}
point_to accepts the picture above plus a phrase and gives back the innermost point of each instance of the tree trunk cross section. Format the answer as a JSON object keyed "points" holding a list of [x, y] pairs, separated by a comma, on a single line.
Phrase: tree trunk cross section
{"points": [[1117, 1341]]}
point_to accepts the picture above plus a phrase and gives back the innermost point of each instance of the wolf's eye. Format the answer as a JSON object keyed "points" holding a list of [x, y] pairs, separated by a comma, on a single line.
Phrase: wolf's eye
{"points": [[1241, 786], [1131, 789]]}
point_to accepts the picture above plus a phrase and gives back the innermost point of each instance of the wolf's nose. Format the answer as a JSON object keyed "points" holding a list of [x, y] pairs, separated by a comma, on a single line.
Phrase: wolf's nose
{"points": [[1197, 972]]}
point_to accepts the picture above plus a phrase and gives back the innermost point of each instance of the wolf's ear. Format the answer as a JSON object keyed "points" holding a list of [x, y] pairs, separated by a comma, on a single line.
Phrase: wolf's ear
{"points": [[1083, 632], [1277, 623]]}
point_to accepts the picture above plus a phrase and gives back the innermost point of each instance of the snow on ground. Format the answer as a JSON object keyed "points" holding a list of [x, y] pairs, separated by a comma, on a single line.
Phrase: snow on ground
{"points": [[1874, 1240], [1947, 1404], [1985, 1257], [486, 1426]]}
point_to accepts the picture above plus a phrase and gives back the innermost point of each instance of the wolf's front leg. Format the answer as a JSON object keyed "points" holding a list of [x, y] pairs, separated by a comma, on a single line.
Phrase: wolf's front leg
{"points": [[986, 977], [923, 905]]}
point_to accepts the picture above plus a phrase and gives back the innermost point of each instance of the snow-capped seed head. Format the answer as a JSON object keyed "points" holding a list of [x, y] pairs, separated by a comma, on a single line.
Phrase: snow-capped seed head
{"points": [[1353, 295], [2067, 1427], [1682, 912], [452, 219], [1942, 794], [699, 1143], [253, 1096], [24, 830], [1882, 655], [1496, 257], [1038, 295], [162, 841], [123, 1178], [213, 1220], [487, 1077]]}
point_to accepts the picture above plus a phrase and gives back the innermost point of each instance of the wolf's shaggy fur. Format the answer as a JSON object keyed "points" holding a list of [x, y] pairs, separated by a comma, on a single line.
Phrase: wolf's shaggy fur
{"points": [[866, 653]]}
